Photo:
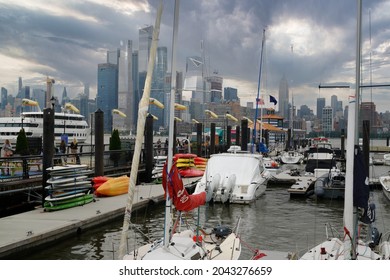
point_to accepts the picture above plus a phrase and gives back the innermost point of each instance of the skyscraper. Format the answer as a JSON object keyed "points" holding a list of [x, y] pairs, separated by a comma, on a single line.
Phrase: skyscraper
{"points": [[194, 80], [125, 86], [320, 106], [283, 98], [64, 98], [215, 88], [145, 42], [107, 92], [230, 94], [3, 100], [333, 104], [327, 119]]}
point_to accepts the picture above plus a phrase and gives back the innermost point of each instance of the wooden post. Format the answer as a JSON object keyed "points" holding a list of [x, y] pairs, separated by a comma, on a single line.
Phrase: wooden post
{"points": [[244, 136], [228, 137], [199, 129], [148, 147], [48, 147], [212, 138], [238, 135], [99, 143]]}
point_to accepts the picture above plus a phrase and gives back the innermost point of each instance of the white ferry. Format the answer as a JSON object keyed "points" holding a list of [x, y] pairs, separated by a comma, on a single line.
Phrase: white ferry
{"points": [[72, 124]]}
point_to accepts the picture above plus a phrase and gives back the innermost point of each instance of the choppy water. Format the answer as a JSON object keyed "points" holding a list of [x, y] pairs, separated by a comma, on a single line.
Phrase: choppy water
{"points": [[273, 222]]}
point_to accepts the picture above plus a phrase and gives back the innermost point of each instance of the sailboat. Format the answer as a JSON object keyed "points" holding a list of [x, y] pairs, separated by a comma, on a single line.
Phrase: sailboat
{"points": [[361, 240], [222, 243]]}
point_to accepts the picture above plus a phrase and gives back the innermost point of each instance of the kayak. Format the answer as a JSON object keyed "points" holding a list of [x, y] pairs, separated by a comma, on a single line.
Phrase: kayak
{"points": [[68, 203], [113, 187]]}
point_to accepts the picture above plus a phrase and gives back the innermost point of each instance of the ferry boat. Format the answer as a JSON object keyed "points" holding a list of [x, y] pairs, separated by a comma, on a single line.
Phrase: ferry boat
{"points": [[73, 124]]}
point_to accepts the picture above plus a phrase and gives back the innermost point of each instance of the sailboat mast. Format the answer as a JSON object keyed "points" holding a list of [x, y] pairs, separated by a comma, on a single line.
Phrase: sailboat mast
{"points": [[258, 96], [171, 118], [352, 136], [143, 108], [358, 61]]}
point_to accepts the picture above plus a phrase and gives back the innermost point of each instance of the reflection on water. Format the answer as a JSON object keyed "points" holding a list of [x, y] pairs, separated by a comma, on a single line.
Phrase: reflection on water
{"points": [[273, 222]]}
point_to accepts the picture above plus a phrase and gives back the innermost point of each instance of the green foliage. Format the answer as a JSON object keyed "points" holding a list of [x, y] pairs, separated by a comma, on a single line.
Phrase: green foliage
{"points": [[22, 144], [115, 141], [115, 145]]}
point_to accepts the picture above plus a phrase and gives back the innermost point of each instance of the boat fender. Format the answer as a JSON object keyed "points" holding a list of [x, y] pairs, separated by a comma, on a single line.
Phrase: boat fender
{"points": [[221, 231]]}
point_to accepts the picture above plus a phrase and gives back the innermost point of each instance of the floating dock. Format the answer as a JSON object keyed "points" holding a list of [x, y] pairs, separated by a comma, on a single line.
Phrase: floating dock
{"points": [[30, 230]]}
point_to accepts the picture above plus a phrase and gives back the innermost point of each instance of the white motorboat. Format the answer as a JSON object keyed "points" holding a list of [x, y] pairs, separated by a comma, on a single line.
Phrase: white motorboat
{"points": [[271, 165], [386, 159], [385, 182], [234, 178], [291, 157], [321, 155]]}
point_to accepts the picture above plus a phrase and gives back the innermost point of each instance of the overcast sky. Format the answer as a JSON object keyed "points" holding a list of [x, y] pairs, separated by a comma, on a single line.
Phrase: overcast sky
{"points": [[308, 41]]}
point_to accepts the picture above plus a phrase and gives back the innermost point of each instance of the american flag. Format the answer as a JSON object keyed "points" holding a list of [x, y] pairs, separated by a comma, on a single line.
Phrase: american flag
{"points": [[260, 101]]}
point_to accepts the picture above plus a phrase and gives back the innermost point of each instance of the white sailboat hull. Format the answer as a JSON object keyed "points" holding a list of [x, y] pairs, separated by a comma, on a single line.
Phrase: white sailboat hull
{"points": [[334, 249], [184, 247]]}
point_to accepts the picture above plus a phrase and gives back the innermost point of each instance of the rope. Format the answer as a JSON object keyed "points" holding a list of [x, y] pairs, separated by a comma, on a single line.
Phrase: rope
{"points": [[256, 252]]}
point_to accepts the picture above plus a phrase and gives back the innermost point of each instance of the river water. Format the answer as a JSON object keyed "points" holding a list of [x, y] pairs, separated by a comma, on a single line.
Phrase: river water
{"points": [[273, 222]]}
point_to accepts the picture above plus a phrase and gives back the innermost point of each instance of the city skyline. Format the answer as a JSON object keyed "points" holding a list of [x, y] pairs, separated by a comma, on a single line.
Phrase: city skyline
{"points": [[311, 42]]}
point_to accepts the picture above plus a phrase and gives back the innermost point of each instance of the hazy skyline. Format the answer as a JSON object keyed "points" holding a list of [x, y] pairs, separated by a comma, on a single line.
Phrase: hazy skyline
{"points": [[308, 41]]}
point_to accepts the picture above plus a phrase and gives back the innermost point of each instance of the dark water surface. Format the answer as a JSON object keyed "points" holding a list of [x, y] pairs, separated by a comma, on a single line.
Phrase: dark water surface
{"points": [[273, 222]]}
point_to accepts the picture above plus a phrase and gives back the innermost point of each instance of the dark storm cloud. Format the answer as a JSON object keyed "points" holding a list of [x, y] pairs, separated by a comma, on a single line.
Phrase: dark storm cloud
{"points": [[322, 34]]}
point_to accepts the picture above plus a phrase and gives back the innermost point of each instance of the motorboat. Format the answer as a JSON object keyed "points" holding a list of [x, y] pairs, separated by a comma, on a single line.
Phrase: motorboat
{"points": [[291, 157], [271, 165], [330, 185], [320, 155], [385, 183], [386, 159], [234, 178]]}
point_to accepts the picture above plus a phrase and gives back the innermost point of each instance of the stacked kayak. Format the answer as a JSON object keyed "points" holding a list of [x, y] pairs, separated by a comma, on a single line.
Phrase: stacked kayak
{"points": [[110, 186], [190, 165], [69, 186], [159, 162]]}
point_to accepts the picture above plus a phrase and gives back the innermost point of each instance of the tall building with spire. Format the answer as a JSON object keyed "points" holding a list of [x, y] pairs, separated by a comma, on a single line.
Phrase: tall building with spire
{"points": [[65, 97]]}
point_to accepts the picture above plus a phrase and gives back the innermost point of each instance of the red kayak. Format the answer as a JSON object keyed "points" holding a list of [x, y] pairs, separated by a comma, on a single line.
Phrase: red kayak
{"points": [[191, 172]]}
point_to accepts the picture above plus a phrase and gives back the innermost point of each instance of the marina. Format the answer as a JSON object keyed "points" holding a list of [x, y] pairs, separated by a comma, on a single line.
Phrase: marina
{"points": [[275, 222]]}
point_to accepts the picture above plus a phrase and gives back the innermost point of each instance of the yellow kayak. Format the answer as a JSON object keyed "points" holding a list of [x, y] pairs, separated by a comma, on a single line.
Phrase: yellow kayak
{"points": [[113, 187]]}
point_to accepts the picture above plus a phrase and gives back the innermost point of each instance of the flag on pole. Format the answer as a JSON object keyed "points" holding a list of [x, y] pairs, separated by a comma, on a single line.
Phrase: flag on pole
{"points": [[273, 100], [260, 101]]}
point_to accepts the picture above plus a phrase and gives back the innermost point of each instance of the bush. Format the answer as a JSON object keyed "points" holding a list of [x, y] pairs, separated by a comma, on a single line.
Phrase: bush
{"points": [[115, 145]]}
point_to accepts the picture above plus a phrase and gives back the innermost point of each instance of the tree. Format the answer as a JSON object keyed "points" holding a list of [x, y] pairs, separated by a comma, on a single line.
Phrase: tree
{"points": [[115, 147], [22, 144]]}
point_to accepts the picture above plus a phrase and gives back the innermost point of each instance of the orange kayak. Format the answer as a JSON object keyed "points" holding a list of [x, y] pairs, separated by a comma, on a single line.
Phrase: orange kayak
{"points": [[113, 187]]}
